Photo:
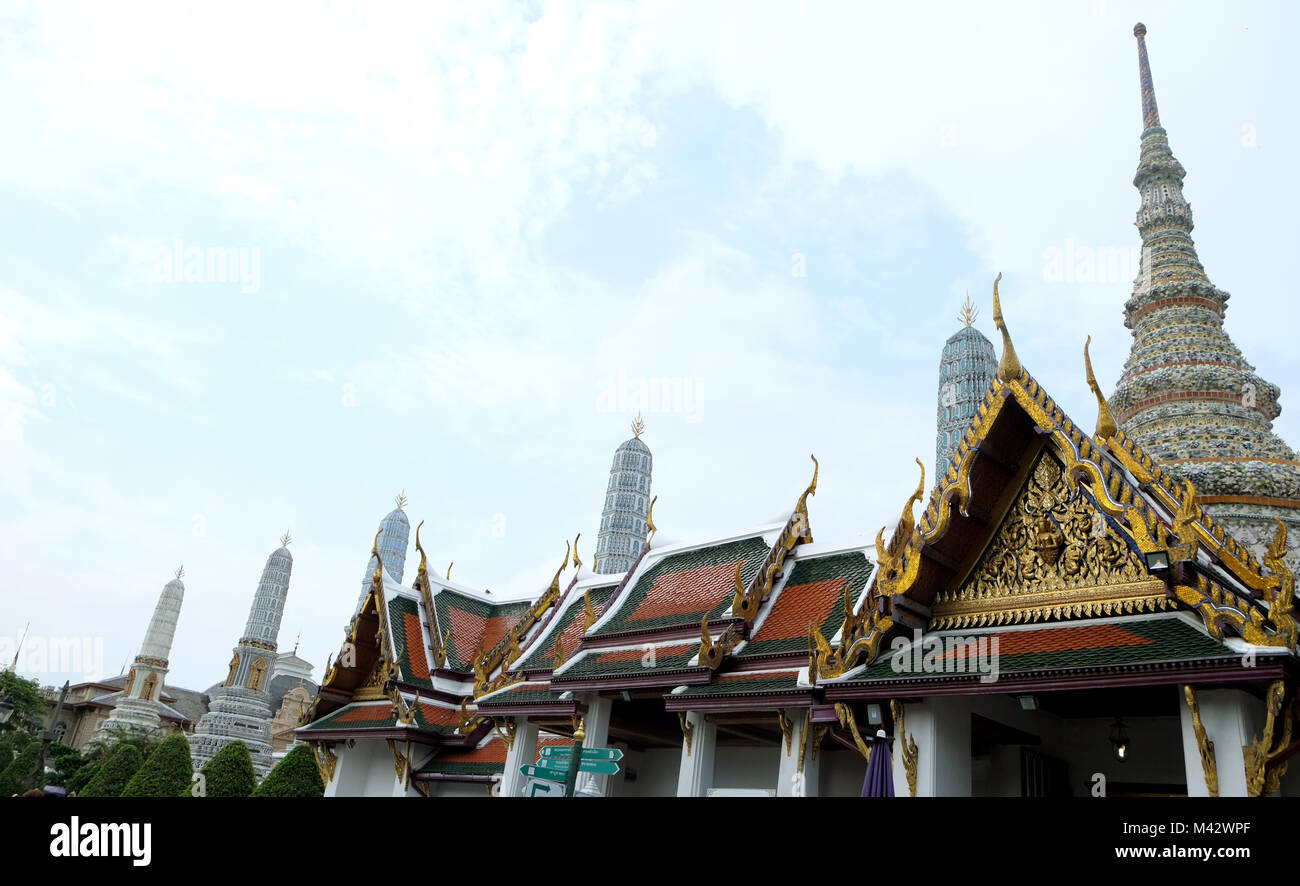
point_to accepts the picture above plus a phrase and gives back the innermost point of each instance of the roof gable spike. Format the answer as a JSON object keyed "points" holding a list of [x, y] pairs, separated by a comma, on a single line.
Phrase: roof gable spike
{"points": [[1009, 367]]}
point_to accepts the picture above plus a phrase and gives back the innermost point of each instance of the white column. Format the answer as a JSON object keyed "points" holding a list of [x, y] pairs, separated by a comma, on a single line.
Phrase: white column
{"points": [[695, 775], [791, 780], [941, 729], [1231, 718], [597, 729], [523, 753]]}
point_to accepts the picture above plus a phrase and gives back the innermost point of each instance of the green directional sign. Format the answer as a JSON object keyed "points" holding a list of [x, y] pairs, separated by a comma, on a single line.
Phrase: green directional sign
{"points": [[566, 752], [560, 766], [534, 772]]}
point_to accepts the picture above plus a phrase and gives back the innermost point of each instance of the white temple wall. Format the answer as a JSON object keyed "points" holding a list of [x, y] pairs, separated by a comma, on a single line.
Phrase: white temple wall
{"points": [[656, 773], [747, 767]]}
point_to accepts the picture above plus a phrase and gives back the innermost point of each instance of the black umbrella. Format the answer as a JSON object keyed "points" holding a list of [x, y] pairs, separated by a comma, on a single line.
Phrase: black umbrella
{"points": [[880, 771]]}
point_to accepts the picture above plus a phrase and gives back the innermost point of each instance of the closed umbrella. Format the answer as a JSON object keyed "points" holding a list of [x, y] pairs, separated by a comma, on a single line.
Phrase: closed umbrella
{"points": [[880, 770]]}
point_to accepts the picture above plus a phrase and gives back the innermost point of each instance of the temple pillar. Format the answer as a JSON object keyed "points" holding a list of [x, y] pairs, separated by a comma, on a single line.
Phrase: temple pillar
{"points": [[1231, 718], [940, 727], [695, 775], [596, 721], [522, 753], [798, 773]]}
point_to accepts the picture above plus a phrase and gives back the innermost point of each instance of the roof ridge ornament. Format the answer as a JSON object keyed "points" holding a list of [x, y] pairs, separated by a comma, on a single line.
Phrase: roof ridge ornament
{"points": [[1106, 427], [1009, 366], [650, 522], [577, 563]]}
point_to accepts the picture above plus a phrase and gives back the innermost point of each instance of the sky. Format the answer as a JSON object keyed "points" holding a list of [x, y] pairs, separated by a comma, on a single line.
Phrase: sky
{"points": [[265, 266]]}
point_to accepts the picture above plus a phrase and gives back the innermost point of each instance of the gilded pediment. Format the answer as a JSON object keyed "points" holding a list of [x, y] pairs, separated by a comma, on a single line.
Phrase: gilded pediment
{"points": [[1053, 555]]}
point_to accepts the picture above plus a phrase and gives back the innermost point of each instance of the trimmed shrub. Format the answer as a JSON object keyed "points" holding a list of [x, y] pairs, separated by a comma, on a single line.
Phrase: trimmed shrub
{"points": [[230, 772], [167, 772], [112, 775], [294, 776]]}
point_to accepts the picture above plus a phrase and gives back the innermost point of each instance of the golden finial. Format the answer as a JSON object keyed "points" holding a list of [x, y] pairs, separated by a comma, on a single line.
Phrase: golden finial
{"points": [[423, 573], [555, 582], [588, 614], [969, 311], [907, 523], [401, 499], [286, 539], [557, 652], [650, 521], [577, 563], [379, 561], [181, 571], [638, 426], [1106, 426], [449, 565], [1009, 365]]}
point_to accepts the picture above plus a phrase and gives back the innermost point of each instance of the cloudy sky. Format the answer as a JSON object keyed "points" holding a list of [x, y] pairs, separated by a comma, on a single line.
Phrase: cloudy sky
{"points": [[451, 243]]}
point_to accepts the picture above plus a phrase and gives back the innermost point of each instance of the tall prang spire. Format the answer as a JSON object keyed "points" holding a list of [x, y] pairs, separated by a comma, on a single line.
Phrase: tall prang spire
{"points": [[138, 708], [240, 706], [624, 520], [966, 369], [1150, 113], [1187, 394]]}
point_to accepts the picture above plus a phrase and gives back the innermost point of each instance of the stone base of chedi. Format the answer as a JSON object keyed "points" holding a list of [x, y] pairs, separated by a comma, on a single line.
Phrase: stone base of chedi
{"points": [[235, 713]]}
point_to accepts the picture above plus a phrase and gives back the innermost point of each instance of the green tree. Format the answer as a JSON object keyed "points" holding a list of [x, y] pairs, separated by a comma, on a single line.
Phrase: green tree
{"points": [[17, 776], [294, 776], [167, 772], [113, 775], [230, 772], [29, 704]]}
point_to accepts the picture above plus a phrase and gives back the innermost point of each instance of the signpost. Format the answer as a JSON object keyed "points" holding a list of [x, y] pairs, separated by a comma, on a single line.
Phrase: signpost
{"points": [[554, 766]]}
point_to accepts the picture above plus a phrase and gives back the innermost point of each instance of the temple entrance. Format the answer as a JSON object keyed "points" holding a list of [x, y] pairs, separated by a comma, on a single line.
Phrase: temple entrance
{"points": [[1118, 742]]}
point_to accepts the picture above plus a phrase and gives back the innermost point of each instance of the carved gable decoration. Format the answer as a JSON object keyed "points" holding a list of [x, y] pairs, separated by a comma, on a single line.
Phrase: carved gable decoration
{"points": [[1054, 555]]}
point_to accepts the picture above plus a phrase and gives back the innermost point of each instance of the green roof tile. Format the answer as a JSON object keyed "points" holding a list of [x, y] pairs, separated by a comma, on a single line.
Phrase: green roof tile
{"points": [[694, 582]]}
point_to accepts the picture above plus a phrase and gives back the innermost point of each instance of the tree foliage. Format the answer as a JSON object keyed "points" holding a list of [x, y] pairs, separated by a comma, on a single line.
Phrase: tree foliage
{"points": [[230, 772], [294, 776], [17, 776], [167, 773], [111, 776], [29, 704]]}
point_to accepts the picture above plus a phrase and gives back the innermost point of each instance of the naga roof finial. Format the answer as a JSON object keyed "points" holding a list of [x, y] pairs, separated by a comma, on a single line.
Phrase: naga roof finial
{"points": [[1106, 426], [1009, 365]]}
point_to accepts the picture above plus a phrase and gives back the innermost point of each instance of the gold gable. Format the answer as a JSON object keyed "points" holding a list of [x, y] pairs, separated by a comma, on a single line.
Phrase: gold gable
{"points": [[1054, 555]]}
